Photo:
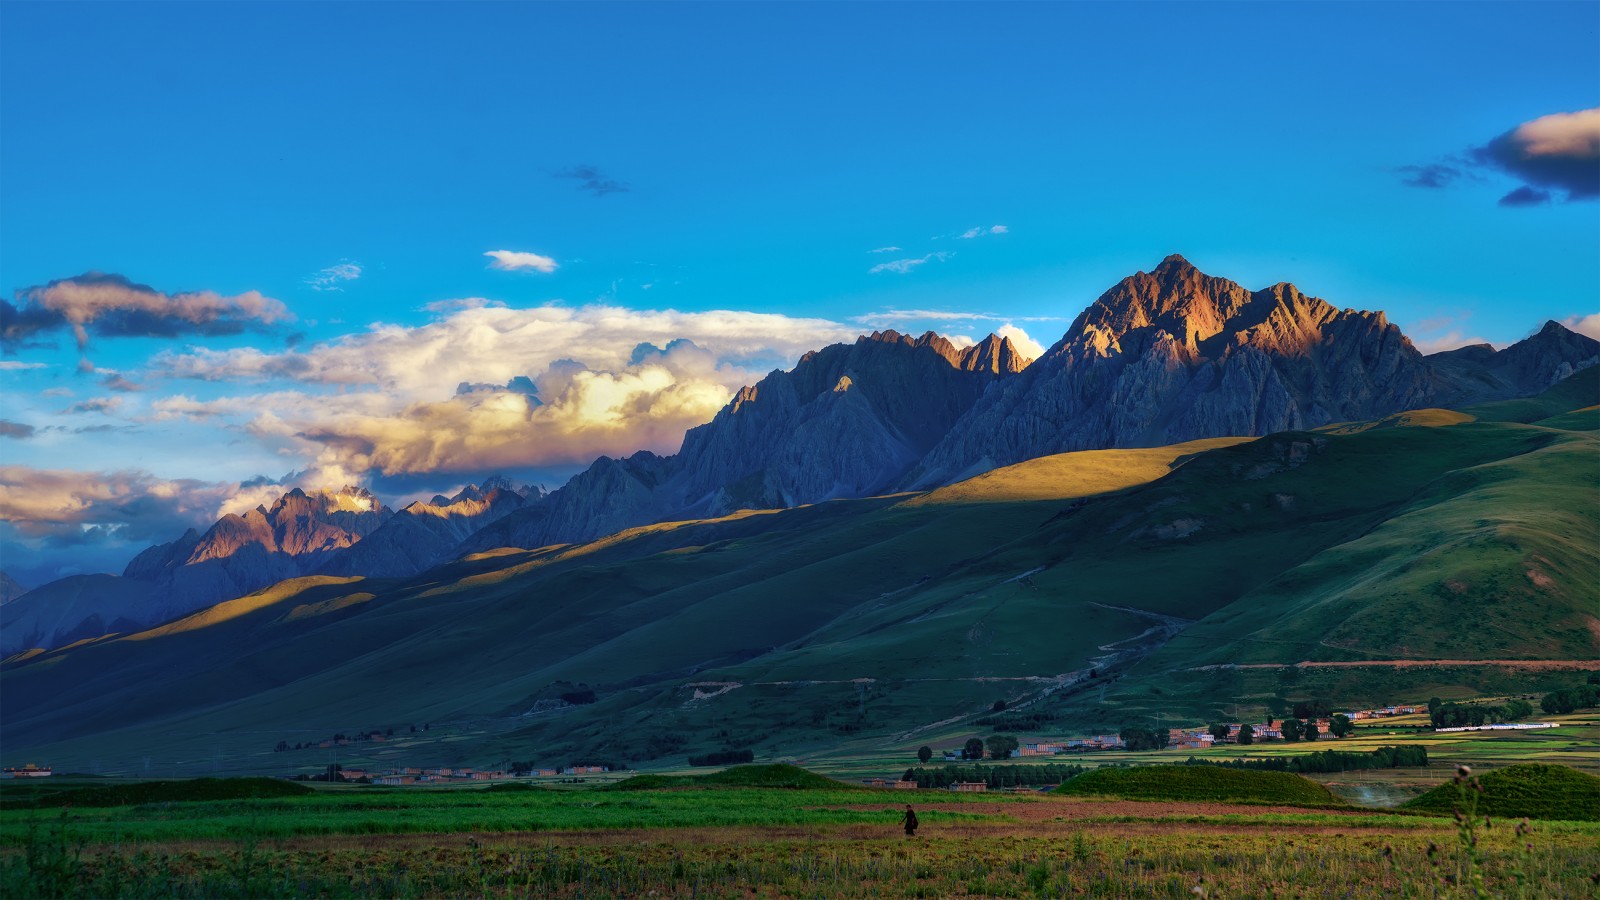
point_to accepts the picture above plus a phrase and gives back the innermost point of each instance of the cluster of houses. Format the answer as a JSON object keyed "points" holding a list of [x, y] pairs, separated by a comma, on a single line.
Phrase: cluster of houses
{"points": [[450, 774], [28, 771]]}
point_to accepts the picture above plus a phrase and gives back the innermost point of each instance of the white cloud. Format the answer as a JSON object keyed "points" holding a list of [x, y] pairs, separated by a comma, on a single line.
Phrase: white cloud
{"points": [[331, 278], [517, 261], [891, 317], [450, 306], [104, 405], [885, 250], [1029, 347], [605, 382], [113, 306], [71, 507], [1575, 134], [11, 365], [902, 266], [1442, 332], [1586, 325], [1453, 339], [971, 233]]}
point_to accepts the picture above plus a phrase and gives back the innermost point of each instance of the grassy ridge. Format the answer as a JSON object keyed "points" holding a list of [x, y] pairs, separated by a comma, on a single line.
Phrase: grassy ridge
{"points": [[1200, 783], [1530, 790], [188, 791]]}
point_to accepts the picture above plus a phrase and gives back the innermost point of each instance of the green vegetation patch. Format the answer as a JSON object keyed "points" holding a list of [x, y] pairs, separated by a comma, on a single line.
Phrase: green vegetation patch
{"points": [[1528, 790], [198, 789], [776, 775], [1202, 783]]}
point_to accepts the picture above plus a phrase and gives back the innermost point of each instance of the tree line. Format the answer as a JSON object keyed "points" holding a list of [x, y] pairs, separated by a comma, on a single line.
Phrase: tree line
{"points": [[1407, 755]]}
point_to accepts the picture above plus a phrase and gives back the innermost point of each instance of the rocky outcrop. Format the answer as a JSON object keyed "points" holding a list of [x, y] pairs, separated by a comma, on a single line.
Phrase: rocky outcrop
{"points": [[1479, 372], [424, 534], [847, 421], [1175, 355], [10, 588], [236, 555]]}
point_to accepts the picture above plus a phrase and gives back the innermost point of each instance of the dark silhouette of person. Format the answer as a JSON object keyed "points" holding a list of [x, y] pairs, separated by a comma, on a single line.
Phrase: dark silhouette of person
{"points": [[910, 819]]}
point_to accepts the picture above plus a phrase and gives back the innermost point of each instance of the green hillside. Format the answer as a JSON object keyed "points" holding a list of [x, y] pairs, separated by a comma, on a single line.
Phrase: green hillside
{"points": [[1086, 589], [1531, 790], [1200, 783]]}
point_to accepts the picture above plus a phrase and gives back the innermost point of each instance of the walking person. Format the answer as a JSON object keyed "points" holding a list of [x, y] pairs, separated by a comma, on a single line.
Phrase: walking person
{"points": [[910, 820]]}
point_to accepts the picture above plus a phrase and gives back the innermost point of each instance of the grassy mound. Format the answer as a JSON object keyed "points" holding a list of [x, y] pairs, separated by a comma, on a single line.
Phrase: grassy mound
{"points": [[1206, 783], [1531, 790], [777, 775], [198, 789]]}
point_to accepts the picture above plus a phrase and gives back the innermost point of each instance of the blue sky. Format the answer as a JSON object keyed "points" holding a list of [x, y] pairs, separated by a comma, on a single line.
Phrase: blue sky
{"points": [[765, 149]]}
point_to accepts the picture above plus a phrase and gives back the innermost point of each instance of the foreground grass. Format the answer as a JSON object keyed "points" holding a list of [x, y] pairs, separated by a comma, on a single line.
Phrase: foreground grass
{"points": [[403, 811], [1099, 862]]}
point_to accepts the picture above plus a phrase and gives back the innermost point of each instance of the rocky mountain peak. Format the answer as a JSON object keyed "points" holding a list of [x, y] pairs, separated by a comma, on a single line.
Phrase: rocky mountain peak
{"points": [[993, 354]]}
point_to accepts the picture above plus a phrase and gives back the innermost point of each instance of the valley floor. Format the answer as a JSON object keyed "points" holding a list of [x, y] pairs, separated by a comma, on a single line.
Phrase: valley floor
{"points": [[1015, 846]]}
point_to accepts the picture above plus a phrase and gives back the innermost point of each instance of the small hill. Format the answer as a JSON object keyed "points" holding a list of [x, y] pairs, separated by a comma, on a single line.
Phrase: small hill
{"points": [[1528, 790], [777, 775], [1207, 783], [198, 789]]}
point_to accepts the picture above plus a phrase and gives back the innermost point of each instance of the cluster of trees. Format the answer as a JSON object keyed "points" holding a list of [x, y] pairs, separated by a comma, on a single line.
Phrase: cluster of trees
{"points": [[1135, 737], [1296, 730], [1330, 760], [283, 746], [1460, 715], [579, 697], [994, 776], [1582, 696], [723, 758], [999, 746]]}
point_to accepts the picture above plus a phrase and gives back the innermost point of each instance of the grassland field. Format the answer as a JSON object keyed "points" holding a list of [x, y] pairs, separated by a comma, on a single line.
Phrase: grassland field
{"points": [[733, 842]]}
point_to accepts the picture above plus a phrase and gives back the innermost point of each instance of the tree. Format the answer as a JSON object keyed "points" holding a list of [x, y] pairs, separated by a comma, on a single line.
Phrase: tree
{"points": [[1247, 735], [1434, 703], [973, 749], [1309, 730], [1219, 731], [1340, 725], [1291, 729], [1001, 746], [999, 706], [924, 754]]}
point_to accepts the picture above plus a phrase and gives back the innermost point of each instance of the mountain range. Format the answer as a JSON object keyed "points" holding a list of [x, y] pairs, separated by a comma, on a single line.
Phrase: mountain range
{"points": [[1161, 358]]}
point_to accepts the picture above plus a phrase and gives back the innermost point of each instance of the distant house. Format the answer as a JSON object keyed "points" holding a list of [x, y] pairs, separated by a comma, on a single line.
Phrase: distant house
{"points": [[903, 785], [353, 774], [970, 787], [875, 782], [28, 771], [547, 773], [395, 779]]}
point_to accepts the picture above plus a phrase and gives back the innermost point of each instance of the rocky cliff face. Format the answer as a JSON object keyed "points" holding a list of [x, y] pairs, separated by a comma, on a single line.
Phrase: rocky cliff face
{"points": [[848, 421], [10, 589], [244, 553], [423, 534], [1175, 355]]}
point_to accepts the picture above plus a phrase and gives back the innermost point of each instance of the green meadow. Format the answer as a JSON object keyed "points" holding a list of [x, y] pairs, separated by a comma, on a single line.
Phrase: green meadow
{"points": [[1208, 833]]}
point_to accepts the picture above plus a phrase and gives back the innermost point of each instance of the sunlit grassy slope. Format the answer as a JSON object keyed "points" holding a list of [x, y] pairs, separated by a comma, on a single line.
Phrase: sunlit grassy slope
{"points": [[1059, 583]]}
